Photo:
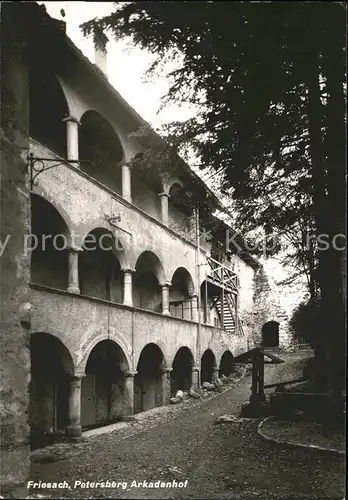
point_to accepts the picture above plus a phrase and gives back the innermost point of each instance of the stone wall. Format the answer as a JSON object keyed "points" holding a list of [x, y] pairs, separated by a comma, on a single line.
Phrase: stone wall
{"points": [[14, 272], [274, 301]]}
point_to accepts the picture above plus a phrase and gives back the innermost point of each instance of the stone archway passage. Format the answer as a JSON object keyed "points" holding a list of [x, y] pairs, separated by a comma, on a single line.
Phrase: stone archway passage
{"points": [[270, 334], [51, 368], [181, 375], [226, 364], [103, 398], [148, 381], [208, 364]]}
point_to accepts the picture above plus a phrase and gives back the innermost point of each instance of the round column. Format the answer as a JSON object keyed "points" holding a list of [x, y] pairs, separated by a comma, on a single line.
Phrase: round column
{"points": [[73, 270], [164, 208], [126, 183], [165, 375], [129, 392], [165, 298], [74, 412], [127, 287], [72, 137], [195, 377], [194, 308]]}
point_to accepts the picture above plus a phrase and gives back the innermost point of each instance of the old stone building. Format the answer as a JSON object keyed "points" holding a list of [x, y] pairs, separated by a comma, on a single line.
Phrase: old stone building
{"points": [[113, 297]]}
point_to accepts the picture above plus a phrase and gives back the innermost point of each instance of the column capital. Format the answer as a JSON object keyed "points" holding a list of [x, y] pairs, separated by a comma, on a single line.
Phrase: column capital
{"points": [[77, 376], [127, 270], [164, 194], [129, 373], [71, 119], [73, 248], [165, 369], [195, 368], [165, 284]]}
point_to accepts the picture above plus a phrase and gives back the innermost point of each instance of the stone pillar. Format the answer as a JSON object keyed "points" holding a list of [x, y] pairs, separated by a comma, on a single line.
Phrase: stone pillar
{"points": [[195, 377], [73, 271], [126, 183], [127, 287], [129, 392], [72, 138], [194, 308], [74, 412], [164, 208], [215, 374], [165, 374], [165, 299]]}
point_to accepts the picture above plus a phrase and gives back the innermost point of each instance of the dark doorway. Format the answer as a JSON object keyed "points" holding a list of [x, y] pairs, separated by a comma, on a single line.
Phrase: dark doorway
{"points": [[226, 364], [181, 376], [270, 334], [208, 364]]}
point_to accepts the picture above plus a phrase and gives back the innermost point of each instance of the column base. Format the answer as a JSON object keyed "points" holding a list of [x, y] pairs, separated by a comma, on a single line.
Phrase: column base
{"points": [[73, 289], [73, 431], [127, 198]]}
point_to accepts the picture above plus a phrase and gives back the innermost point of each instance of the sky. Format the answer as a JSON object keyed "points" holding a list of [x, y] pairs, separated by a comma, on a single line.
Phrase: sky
{"points": [[126, 67]]}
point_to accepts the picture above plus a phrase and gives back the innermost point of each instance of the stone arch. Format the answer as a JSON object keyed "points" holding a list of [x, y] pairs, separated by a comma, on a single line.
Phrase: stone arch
{"points": [[100, 266], [48, 107], [148, 390], [154, 263], [41, 192], [168, 184], [270, 334], [181, 291], [94, 339], [226, 364], [51, 369], [208, 364], [186, 278], [100, 144], [149, 275], [181, 375], [103, 391], [49, 243]]}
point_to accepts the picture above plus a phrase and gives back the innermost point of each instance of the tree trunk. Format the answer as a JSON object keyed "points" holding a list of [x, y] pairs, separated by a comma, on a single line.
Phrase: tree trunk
{"points": [[328, 183]]}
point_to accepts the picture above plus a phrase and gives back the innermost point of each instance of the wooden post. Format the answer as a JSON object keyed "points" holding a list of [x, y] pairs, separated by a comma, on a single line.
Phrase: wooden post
{"points": [[254, 379], [206, 300], [261, 376], [222, 299]]}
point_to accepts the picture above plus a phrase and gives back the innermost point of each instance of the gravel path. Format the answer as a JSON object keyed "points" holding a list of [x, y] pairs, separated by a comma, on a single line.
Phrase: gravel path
{"points": [[218, 461]]}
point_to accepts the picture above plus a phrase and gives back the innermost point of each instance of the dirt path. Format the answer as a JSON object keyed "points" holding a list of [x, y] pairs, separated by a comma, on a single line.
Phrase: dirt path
{"points": [[218, 461]]}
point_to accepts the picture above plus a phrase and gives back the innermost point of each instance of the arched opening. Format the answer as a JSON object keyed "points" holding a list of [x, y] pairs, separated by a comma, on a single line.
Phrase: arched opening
{"points": [[146, 184], [208, 363], [103, 398], [181, 375], [47, 109], [179, 209], [99, 269], [146, 289], [148, 381], [181, 290], [49, 257], [226, 364], [270, 334], [51, 367], [98, 142]]}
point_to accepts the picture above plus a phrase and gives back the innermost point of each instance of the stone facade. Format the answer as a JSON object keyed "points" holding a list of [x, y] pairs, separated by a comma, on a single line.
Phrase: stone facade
{"points": [[112, 330]]}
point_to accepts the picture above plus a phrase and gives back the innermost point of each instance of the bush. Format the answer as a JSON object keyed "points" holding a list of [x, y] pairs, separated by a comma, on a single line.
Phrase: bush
{"points": [[305, 322]]}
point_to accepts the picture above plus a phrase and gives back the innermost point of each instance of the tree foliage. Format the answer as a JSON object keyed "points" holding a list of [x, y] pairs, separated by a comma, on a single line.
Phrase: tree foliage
{"points": [[267, 80]]}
